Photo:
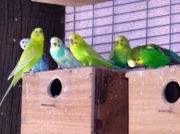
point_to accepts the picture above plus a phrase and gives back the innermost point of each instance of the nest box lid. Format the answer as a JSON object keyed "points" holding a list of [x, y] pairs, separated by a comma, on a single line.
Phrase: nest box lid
{"points": [[70, 2]]}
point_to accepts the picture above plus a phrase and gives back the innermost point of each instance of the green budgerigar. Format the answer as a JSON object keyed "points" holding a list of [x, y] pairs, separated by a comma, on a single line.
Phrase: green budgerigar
{"points": [[85, 54], [120, 51], [30, 56], [152, 56]]}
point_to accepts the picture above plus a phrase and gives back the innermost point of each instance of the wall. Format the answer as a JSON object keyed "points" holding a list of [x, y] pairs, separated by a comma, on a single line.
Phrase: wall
{"points": [[17, 20], [141, 21]]}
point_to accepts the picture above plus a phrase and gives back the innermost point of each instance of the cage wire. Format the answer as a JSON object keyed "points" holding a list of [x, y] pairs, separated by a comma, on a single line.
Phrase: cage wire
{"points": [[92, 42], [170, 48], [141, 21], [146, 21]]}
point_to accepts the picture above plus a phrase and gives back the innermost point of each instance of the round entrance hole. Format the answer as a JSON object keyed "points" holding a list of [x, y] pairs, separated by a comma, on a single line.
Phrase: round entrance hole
{"points": [[55, 88], [172, 92]]}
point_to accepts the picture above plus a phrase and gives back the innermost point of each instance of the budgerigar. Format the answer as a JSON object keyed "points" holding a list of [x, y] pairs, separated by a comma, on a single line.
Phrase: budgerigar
{"points": [[24, 42], [120, 51], [42, 64], [86, 54], [61, 55], [28, 59], [152, 56]]}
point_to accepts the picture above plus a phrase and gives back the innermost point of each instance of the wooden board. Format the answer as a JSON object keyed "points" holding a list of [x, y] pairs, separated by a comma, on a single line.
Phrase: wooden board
{"points": [[70, 2], [149, 112], [111, 102], [71, 111], [17, 20], [92, 101]]}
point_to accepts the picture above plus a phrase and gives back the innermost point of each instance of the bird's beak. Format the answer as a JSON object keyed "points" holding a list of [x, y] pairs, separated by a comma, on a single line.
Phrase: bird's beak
{"points": [[54, 44], [116, 43], [131, 63], [70, 41]]}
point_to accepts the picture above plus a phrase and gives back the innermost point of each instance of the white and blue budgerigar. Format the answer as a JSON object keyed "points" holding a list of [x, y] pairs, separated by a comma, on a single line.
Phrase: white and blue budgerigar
{"points": [[42, 65], [61, 55]]}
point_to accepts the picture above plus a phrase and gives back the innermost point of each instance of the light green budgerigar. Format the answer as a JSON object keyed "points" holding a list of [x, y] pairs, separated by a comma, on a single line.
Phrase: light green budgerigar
{"points": [[85, 54], [30, 56], [120, 51]]}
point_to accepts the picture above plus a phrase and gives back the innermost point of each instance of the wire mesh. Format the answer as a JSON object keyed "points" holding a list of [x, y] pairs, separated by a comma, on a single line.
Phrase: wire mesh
{"points": [[141, 21]]}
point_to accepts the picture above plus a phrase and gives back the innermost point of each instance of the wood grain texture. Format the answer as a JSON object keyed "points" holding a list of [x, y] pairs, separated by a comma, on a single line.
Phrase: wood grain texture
{"points": [[92, 101], [17, 19], [111, 102], [70, 2], [71, 111], [149, 112]]}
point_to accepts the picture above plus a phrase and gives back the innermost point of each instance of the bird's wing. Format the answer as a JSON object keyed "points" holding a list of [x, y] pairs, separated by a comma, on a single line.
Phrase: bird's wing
{"points": [[27, 56], [171, 55], [90, 51]]}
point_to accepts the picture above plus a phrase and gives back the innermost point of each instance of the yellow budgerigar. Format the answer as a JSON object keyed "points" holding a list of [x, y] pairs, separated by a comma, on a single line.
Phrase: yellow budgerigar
{"points": [[85, 53], [28, 59]]}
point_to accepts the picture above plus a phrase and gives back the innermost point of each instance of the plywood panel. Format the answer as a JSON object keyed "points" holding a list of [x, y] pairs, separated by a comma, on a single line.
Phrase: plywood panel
{"points": [[92, 101], [149, 112], [69, 113], [70, 2], [111, 99]]}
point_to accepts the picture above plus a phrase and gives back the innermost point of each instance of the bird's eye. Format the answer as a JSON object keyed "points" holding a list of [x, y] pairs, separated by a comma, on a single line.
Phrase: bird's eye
{"points": [[23, 42], [70, 41], [75, 37], [121, 40], [54, 44], [138, 59]]}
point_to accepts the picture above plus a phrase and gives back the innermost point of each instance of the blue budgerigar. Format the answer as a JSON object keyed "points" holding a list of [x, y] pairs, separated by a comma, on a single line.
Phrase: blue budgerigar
{"points": [[42, 64], [61, 55]]}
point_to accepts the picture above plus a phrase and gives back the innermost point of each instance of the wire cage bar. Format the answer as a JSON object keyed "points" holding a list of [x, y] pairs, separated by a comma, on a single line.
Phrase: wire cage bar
{"points": [[141, 21]]}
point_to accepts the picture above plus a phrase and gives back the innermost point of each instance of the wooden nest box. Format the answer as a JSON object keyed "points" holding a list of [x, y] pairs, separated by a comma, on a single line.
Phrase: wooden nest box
{"points": [[75, 101], [154, 105]]}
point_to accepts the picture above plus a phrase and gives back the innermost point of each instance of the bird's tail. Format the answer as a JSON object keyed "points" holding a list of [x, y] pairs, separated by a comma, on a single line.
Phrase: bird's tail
{"points": [[107, 64], [172, 56], [175, 59], [7, 91]]}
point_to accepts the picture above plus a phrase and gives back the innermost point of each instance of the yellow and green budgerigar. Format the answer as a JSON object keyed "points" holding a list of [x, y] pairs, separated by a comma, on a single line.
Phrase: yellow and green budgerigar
{"points": [[85, 54], [152, 56], [120, 51], [30, 56]]}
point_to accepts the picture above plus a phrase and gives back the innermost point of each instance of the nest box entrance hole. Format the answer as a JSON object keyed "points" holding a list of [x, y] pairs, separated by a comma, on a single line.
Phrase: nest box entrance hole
{"points": [[55, 88], [172, 92]]}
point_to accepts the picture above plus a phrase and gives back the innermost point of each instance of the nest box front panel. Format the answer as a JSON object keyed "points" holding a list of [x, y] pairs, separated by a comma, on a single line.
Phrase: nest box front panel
{"points": [[154, 105], [56, 102]]}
